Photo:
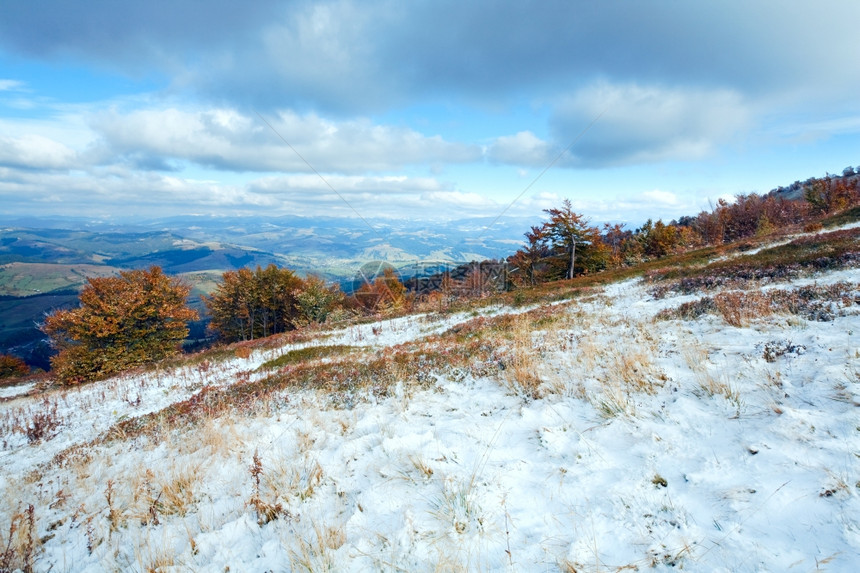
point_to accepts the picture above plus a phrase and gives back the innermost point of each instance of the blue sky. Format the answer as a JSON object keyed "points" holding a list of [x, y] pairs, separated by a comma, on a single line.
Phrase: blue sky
{"points": [[423, 109]]}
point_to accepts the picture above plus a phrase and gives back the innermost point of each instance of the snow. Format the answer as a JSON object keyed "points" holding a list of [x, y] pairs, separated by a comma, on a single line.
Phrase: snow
{"points": [[723, 461], [12, 391], [788, 239]]}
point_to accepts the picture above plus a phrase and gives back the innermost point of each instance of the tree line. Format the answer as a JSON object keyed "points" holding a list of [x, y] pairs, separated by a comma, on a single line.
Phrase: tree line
{"points": [[142, 316], [250, 304], [566, 245]]}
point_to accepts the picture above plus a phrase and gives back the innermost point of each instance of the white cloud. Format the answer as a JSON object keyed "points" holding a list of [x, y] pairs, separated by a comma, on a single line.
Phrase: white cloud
{"points": [[666, 198], [671, 84], [374, 196], [11, 85], [35, 152], [458, 199], [523, 148], [227, 139], [119, 190], [607, 124], [346, 184]]}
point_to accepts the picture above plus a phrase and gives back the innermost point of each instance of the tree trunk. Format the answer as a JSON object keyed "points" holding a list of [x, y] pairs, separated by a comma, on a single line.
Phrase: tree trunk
{"points": [[572, 256]]}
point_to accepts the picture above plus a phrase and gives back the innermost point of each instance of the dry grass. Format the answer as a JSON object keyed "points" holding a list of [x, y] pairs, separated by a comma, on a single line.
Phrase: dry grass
{"points": [[708, 384], [176, 489], [307, 354], [739, 309], [154, 555], [521, 364], [613, 400], [285, 485], [632, 368], [457, 509], [800, 257], [316, 552], [422, 466], [266, 511], [608, 370], [21, 544]]}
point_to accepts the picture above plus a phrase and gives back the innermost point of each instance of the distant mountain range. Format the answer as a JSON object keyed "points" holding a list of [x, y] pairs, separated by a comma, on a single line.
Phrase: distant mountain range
{"points": [[334, 248], [44, 261]]}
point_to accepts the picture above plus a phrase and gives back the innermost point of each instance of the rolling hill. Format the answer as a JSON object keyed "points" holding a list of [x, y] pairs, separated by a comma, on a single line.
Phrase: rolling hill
{"points": [[698, 413]]}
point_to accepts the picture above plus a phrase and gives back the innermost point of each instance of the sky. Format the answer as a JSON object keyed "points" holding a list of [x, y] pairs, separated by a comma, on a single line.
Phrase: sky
{"points": [[424, 110]]}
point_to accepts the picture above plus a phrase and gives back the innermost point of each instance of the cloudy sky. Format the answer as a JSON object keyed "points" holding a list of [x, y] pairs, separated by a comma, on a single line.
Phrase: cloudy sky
{"points": [[419, 109]]}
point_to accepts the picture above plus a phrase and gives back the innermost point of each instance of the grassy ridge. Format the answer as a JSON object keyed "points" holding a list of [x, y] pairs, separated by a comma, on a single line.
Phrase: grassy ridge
{"points": [[25, 279]]}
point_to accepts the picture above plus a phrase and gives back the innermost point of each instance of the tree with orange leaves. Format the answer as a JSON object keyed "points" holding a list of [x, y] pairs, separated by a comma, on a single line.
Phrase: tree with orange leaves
{"points": [[122, 322]]}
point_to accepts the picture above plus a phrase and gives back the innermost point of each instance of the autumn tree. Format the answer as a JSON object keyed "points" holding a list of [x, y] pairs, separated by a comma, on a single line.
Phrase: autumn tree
{"points": [[759, 215], [577, 246], [250, 304], [660, 239], [614, 237], [12, 367], [231, 305], [446, 288], [121, 322], [247, 304], [563, 247], [530, 261], [315, 300], [831, 194], [385, 293], [764, 226]]}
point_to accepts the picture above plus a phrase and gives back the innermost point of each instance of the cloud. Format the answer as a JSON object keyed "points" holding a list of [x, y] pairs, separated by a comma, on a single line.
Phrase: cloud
{"points": [[351, 56], [229, 140], [343, 82], [524, 148], [11, 85], [119, 191], [374, 196], [642, 124], [607, 124], [664, 198], [115, 192], [346, 184], [35, 152]]}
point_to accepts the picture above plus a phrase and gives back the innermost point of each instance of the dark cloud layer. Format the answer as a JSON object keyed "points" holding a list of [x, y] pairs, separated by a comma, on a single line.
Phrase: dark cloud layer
{"points": [[364, 56]]}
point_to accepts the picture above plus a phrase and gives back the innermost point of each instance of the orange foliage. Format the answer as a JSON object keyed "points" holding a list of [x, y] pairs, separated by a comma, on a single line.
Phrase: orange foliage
{"points": [[122, 322], [12, 367]]}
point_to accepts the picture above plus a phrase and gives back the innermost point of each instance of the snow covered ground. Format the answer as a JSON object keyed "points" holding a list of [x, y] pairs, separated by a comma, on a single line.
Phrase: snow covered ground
{"points": [[653, 444]]}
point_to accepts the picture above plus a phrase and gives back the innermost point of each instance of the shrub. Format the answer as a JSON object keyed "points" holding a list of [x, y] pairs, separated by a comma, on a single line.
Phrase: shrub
{"points": [[815, 303], [122, 322], [248, 305], [12, 367], [802, 256]]}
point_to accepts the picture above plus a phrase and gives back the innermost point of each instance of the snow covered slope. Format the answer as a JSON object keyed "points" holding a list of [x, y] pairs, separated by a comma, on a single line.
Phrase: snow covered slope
{"points": [[600, 434]]}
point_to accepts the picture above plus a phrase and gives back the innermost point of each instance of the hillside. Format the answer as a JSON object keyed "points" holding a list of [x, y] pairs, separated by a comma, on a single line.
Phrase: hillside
{"points": [[42, 261], [702, 416]]}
